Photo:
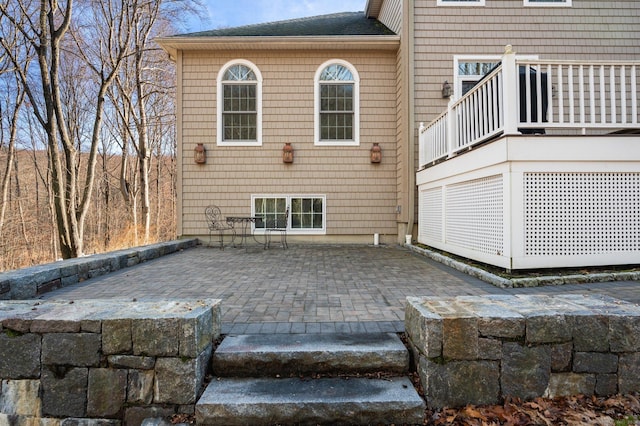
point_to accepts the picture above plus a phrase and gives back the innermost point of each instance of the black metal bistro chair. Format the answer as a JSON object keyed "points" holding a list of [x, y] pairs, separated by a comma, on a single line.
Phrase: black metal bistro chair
{"points": [[277, 224], [217, 223]]}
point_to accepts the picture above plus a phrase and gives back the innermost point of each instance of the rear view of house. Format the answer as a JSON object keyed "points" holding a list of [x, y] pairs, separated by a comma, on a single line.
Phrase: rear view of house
{"points": [[508, 129]]}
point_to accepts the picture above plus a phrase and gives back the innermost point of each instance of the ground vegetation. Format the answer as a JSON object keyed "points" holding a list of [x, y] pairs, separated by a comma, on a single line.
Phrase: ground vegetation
{"points": [[87, 126]]}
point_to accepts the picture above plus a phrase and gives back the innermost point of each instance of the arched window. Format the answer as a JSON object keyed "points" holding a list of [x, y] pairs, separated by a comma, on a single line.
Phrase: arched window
{"points": [[239, 104], [337, 110]]}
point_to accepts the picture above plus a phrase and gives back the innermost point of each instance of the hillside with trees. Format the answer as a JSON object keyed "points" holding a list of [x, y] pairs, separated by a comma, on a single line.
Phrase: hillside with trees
{"points": [[29, 234], [87, 131]]}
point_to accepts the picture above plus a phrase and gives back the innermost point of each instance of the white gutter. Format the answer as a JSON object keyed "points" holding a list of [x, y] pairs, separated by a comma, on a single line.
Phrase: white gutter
{"points": [[172, 44]]}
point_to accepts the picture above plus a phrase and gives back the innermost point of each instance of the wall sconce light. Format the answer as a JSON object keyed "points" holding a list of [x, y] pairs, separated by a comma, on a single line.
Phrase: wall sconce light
{"points": [[200, 154], [376, 153], [287, 153], [446, 89]]}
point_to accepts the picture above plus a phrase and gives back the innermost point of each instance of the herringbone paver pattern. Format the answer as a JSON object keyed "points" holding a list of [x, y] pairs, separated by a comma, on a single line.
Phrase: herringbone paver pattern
{"points": [[308, 288]]}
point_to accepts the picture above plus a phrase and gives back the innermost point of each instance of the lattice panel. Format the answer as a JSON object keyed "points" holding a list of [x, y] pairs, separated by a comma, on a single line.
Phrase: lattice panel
{"points": [[431, 214], [475, 215], [581, 213]]}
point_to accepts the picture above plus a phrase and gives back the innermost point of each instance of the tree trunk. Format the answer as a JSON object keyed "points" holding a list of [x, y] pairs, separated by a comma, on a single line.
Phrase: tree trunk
{"points": [[11, 151], [23, 222]]}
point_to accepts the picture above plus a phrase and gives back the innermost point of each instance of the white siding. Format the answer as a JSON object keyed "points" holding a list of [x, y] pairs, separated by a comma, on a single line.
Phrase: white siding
{"points": [[391, 15]]}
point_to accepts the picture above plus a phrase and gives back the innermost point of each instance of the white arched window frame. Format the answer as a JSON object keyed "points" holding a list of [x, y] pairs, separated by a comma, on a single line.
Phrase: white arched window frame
{"points": [[336, 76], [239, 104]]}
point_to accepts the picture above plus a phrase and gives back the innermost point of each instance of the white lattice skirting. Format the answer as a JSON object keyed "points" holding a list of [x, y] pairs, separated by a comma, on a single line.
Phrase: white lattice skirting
{"points": [[537, 219], [571, 214]]}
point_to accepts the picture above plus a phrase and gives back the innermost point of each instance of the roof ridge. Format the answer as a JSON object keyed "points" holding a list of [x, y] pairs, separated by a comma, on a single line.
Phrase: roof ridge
{"points": [[340, 23], [280, 22], [300, 19]]}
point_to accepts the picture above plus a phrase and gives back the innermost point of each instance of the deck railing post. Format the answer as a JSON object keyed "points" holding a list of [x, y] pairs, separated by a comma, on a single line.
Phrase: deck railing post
{"points": [[423, 148], [510, 107], [451, 128]]}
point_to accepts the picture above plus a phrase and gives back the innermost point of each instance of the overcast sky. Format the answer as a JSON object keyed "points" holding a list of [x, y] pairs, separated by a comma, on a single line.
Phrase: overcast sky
{"points": [[233, 13]]}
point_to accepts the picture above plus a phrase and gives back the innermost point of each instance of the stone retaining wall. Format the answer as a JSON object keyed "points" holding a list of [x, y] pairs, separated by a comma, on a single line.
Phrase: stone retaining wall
{"points": [[28, 283], [481, 349], [106, 363]]}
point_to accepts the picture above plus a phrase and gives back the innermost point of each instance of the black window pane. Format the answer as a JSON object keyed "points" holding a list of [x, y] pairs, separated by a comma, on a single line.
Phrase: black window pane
{"points": [[240, 98], [336, 112], [296, 220], [239, 126]]}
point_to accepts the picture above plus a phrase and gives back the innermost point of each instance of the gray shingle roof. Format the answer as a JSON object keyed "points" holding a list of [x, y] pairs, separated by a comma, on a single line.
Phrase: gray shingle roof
{"points": [[337, 24]]}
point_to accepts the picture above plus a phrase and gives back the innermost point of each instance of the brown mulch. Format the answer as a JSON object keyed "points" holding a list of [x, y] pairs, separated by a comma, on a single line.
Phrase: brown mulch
{"points": [[618, 410], [183, 419]]}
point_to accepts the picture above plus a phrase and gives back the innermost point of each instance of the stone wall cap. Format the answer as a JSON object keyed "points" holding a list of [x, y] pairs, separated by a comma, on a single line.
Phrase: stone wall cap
{"points": [[418, 304], [602, 304], [488, 308], [514, 306], [94, 309]]}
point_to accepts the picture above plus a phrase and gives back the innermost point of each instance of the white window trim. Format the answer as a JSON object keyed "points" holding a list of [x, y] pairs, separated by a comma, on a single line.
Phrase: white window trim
{"points": [[288, 197], [256, 71], [565, 3], [458, 79], [356, 106], [460, 3]]}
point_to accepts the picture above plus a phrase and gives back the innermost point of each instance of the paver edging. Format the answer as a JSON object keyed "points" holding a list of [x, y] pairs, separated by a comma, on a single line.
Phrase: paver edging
{"points": [[524, 282], [463, 267], [31, 282]]}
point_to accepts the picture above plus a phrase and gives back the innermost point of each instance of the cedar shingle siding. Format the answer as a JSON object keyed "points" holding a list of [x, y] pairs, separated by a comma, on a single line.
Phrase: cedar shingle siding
{"points": [[589, 29], [360, 196]]}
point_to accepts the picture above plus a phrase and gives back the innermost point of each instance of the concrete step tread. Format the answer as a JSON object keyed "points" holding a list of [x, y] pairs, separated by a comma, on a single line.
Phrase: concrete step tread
{"points": [[310, 401], [263, 355]]}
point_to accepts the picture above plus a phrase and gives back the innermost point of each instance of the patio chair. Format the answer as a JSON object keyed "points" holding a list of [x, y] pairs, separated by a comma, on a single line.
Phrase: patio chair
{"points": [[276, 225], [217, 223]]}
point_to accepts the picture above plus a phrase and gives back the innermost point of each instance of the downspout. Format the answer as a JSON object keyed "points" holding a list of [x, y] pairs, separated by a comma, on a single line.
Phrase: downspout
{"points": [[179, 60], [410, 72]]}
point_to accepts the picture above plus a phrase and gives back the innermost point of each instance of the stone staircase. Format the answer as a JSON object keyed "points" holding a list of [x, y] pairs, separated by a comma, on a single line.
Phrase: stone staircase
{"points": [[272, 379]]}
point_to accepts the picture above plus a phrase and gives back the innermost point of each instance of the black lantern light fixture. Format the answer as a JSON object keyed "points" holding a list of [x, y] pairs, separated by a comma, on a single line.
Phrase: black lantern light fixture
{"points": [[446, 89]]}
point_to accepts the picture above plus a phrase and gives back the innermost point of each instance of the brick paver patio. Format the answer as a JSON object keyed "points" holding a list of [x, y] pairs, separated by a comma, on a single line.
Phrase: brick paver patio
{"points": [[308, 288]]}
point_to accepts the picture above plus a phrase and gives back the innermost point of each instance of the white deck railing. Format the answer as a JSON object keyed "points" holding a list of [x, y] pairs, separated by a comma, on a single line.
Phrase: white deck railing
{"points": [[521, 96]]}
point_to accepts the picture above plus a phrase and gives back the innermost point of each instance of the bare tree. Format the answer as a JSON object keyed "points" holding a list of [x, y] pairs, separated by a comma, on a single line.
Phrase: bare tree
{"points": [[45, 26], [138, 89], [11, 105], [57, 104]]}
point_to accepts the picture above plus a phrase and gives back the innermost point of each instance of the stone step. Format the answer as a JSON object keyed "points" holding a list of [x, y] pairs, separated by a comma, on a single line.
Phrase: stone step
{"points": [[268, 401], [268, 355]]}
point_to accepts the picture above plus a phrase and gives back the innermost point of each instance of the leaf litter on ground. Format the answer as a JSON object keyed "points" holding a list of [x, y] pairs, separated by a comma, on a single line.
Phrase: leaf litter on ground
{"points": [[576, 410]]}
